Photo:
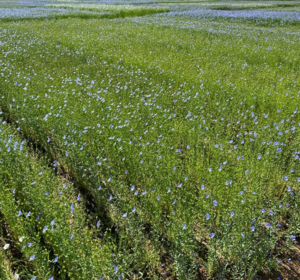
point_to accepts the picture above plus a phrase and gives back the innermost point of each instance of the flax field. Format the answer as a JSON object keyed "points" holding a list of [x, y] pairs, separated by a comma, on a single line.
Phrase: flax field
{"points": [[149, 139]]}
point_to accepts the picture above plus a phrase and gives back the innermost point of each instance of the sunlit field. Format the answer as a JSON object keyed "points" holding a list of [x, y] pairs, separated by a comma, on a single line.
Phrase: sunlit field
{"points": [[149, 140]]}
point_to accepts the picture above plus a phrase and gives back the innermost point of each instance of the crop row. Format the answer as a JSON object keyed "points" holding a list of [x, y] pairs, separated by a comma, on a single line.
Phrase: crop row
{"points": [[77, 11], [116, 10]]}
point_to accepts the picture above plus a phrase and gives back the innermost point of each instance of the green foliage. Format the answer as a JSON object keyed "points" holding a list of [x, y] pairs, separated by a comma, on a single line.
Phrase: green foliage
{"points": [[180, 135]]}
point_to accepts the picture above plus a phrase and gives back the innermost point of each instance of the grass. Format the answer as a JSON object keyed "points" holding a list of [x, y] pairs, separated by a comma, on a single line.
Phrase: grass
{"points": [[56, 12], [187, 151], [126, 10], [115, 11]]}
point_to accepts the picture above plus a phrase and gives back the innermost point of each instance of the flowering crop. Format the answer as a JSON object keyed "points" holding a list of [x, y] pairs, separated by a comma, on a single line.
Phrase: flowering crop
{"points": [[20, 226], [176, 143], [256, 16]]}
